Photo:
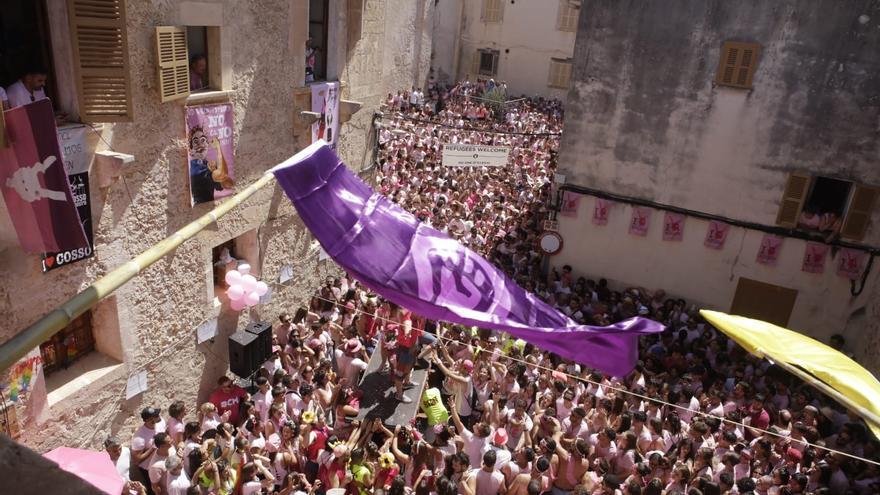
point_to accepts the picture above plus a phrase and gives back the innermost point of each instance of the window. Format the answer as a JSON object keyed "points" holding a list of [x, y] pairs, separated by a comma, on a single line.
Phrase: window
{"points": [[316, 45], [560, 73], [227, 256], [189, 60], [737, 64], [492, 10], [223, 259], [569, 11], [25, 41], [486, 62], [827, 205], [73, 342]]}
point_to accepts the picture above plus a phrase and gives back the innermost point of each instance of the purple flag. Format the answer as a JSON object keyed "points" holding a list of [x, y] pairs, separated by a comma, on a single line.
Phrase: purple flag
{"points": [[426, 271]]}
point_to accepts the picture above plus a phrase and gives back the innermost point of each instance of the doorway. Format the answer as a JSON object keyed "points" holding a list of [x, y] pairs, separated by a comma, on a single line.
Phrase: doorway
{"points": [[763, 301]]}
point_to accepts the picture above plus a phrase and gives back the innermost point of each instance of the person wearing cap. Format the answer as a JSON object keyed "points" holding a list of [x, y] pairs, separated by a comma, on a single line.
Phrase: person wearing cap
{"points": [[120, 455], [142, 447], [498, 444], [351, 360]]}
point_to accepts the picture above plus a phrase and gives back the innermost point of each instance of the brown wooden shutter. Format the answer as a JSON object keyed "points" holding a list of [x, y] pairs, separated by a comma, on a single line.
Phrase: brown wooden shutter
{"points": [[173, 58], [859, 215], [737, 65], [796, 189], [100, 58]]}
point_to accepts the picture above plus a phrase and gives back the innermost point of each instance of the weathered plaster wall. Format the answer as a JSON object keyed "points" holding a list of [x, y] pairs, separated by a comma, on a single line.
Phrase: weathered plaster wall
{"points": [[527, 39], [643, 119], [157, 312]]}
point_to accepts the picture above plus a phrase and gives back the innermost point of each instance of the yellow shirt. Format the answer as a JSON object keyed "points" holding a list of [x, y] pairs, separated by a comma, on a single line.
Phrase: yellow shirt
{"points": [[433, 407]]}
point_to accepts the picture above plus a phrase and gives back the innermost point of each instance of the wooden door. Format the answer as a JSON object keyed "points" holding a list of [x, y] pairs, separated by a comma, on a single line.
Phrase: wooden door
{"points": [[763, 301]]}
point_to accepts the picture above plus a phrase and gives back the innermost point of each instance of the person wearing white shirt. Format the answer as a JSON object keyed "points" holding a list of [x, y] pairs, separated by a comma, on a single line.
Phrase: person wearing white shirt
{"points": [[142, 448], [120, 455], [29, 88], [263, 398], [176, 481]]}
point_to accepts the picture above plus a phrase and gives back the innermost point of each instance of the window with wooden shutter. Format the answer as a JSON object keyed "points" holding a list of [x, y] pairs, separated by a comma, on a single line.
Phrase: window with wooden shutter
{"points": [[492, 10], [737, 65], [173, 57], [100, 57], [560, 73], [793, 198], [567, 19], [859, 215]]}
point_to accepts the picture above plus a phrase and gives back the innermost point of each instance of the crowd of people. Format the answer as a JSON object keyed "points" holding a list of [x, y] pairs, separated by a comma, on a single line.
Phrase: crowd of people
{"points": [[697, 415]]}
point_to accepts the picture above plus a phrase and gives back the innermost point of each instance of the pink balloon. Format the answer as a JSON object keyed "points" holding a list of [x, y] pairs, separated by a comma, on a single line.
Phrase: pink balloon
{"points": [[248, 283], [237, 305], [252, 298], [244, 268], [235, 292], [261, 288], [233, 277]]}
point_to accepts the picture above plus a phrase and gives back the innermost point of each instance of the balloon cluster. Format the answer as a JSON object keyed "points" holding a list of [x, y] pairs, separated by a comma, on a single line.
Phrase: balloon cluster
{"points": [[244, 289]]}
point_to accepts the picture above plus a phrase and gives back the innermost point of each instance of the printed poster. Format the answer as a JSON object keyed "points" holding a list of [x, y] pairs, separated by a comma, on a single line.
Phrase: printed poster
{"points": [[768, 253], [210, 152], [814, 257], [570, 202], [79, 186], [34, 185], [600, 211], [716, 234], [850, 263], [641, 220], [22, 386], [673, 226], [325, 101]]}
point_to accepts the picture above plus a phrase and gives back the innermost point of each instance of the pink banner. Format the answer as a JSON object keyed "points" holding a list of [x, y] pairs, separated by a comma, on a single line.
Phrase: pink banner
{"points": [[600, 211], [850, 263], [768, 253], [210, 152], [570, 202], [641, 219], [34, 184], [814, 257], [673, 226], [716, 234]]}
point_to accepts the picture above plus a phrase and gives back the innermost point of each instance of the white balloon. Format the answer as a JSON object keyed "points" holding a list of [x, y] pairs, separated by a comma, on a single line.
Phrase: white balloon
{"points": [[251, 298], [261, 288], [244, 268], [233, 277], [248, 282]]}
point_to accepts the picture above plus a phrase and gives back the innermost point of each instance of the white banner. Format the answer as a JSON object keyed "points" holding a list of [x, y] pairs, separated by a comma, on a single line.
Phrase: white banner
{"points": [[474, 155], [74, 148]]}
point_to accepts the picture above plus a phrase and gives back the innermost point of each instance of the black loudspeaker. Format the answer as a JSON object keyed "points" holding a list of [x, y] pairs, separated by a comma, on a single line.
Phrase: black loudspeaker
{"points": [[263, 331], [244, 357]]}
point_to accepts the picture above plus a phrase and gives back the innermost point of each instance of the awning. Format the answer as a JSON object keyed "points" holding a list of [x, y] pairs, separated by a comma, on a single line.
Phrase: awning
{"points": [[821, 366]]}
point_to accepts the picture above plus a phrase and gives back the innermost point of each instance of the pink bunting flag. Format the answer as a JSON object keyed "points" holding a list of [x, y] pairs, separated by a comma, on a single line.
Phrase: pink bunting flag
{"points": [[716, 234], [850, 263], [768, 253], [673, 226], [641, 219], [570, 202], [600, 211], [814, 257]]}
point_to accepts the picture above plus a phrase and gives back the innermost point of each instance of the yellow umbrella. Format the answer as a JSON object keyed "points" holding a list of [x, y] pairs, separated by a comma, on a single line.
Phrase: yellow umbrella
{"points": [[816, 363]]}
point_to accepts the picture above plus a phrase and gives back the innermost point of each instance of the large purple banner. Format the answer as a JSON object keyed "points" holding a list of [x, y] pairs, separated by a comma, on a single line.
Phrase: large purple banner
{"points": [[426, 271]]}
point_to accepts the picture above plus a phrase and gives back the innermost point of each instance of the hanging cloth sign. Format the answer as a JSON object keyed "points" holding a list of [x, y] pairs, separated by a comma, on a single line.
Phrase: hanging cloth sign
{"points": [[641, 219], [673, 226], [570, 203], [814, 257], [600, 211], [850, 263], [716, 234], [768, 253]]}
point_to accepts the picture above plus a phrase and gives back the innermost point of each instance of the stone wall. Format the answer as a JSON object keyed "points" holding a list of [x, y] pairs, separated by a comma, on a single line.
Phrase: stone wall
{"points": [[645, 119], [150, 322]]}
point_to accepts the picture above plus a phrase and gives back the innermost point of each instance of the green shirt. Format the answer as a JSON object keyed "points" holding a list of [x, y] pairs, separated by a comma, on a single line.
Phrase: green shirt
{"points": [[432, 405]]}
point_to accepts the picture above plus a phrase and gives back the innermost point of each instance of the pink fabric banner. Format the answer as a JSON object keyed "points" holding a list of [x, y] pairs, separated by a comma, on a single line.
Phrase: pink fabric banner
{"points": [[600, 211], [814, 257], [716, 234], [570, 202], [768, 253], [641, 220], [673, 226], [850, 263], [34, 183]]}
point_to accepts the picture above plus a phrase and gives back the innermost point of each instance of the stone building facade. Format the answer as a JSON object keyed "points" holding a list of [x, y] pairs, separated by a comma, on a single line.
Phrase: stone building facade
{"points": [[662, 114], [258, 58], [528, 44]]}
